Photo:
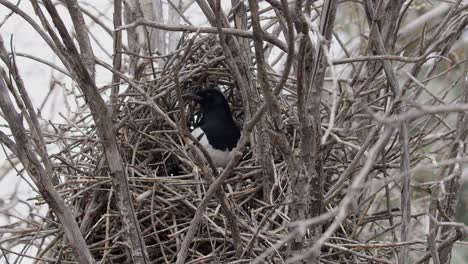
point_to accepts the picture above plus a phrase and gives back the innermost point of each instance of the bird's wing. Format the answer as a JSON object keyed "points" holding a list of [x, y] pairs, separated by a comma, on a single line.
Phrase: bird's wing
{"points": [[219, 157]]}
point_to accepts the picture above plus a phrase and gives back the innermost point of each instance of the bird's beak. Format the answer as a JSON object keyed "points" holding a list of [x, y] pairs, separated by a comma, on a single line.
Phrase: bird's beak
{"points": [[193, 97]]}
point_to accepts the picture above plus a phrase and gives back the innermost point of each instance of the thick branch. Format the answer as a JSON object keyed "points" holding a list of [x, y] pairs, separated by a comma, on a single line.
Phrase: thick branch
{"points": [[82, 36]]}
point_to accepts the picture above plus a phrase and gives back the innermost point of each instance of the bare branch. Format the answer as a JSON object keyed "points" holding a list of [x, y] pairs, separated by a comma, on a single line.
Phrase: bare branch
{"points": [[82, 36], [24, 151]]}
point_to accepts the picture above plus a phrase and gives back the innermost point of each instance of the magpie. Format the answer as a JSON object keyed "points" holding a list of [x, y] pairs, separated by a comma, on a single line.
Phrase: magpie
{"points": [[217, 132]]}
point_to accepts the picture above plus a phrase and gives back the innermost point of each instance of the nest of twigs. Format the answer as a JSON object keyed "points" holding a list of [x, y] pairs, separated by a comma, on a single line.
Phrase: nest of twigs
{"points": [[167, 184]]}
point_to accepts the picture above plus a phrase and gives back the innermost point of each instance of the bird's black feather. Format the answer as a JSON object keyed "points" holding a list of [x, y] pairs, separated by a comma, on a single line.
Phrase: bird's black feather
{"points": [[217, 122]]}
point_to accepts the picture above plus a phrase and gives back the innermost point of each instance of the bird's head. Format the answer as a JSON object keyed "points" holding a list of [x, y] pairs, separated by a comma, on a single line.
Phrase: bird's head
{"points": [[209, 99]]}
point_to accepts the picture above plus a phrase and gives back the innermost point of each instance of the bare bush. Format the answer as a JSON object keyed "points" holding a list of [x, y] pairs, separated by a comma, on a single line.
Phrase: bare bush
{"points": [[352, 148]]}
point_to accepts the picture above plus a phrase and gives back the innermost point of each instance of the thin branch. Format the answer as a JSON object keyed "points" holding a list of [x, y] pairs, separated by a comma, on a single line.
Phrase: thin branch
{"points": [[184, 28]]}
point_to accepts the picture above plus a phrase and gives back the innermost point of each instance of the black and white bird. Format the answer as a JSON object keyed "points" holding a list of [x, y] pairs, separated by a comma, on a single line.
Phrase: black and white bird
{"points": [[217, 132]]}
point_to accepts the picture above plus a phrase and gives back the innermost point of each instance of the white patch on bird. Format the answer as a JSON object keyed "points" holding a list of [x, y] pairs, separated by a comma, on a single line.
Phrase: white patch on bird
{"points": [[220, 158]]}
